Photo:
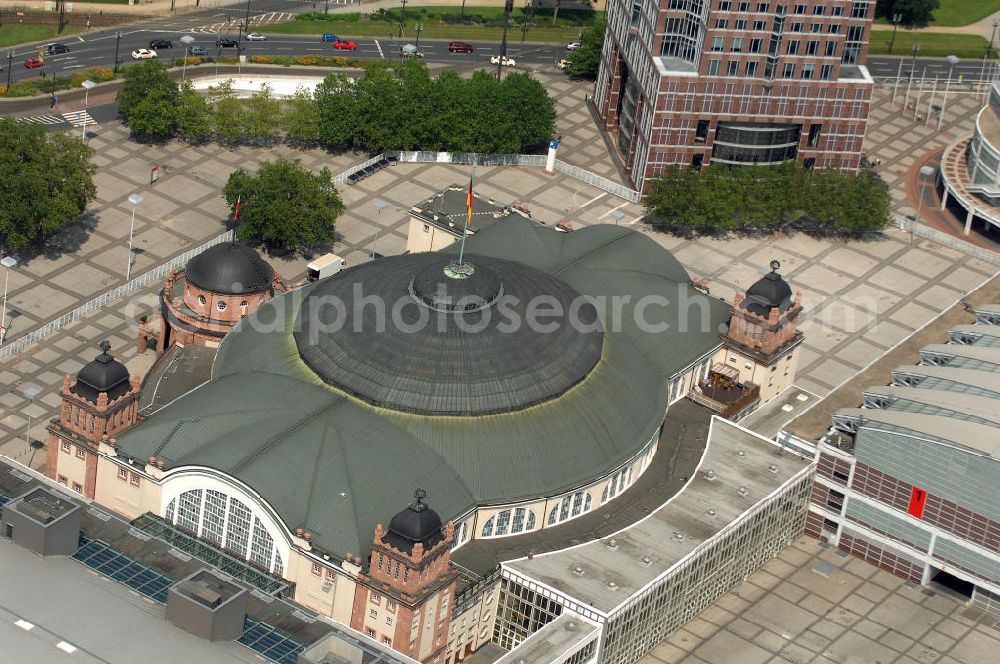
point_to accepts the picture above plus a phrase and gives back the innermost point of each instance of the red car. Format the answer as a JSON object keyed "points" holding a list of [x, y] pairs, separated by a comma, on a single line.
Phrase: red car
{"points": [[346, 45], [460, 47], [33, 63]]}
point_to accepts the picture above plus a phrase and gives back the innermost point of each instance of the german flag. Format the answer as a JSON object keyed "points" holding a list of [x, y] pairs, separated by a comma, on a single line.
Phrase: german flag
{"points": [[468, 203]]}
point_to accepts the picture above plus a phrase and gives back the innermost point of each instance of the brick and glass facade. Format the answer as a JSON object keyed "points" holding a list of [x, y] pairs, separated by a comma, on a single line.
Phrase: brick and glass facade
{"points": [[762, 82], [909, 481]]}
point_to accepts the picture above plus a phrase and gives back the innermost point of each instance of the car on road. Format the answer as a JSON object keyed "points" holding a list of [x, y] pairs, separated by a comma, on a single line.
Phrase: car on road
{"points": [[225, 42], [56, 49], [197, 51], [563, 64], [410, 51], [255, 36], [505, 61], [328, 37], [33, 63], [143, 54], [460, 47], [345, 45], [572, 46], [157, 44]]}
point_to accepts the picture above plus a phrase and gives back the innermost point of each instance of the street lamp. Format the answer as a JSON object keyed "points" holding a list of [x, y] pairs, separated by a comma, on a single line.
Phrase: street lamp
{"points": [[134, 199], [896, 19], [992, 35], [925, 173], [10, 61], [30, 393], [118, 41], [418, 28], [87, 85], [507, 8], [187, 40], [8, 262], [379, 206], [617, 215]]}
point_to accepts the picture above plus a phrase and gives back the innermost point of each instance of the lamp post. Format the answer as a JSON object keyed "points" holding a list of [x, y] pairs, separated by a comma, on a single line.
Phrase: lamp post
{"points": [[8, 262], [896, 19], [617, 215], [418, 28], [379, 206], [992, 36], [118, 41], [952, 60], [925, 172], [402, 19], [187, 40], [10, 61], [30, 392], [134, 199], [526, 19], [87, 85], [507, 7]]}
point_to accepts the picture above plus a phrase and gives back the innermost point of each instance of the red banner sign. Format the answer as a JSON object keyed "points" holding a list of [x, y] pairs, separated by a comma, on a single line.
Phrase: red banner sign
{"points": [[917, 499]]}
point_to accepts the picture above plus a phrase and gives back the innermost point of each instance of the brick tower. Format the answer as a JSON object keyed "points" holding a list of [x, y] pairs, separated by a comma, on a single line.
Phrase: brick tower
{"points": [[404, 600], [762, 341], [102, 401]]}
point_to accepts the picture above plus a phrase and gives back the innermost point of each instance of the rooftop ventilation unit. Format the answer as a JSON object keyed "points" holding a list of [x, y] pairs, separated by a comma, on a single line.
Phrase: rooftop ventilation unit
{"points": [[679, 536], [743, 491], [710, 512], [578, 570], [612, 543], [612, 585], [710, 475], [772, 468], [647, 560]]}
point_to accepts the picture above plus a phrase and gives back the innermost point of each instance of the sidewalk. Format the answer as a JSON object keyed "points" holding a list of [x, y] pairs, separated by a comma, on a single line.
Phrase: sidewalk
{"points": [[983, 27]]}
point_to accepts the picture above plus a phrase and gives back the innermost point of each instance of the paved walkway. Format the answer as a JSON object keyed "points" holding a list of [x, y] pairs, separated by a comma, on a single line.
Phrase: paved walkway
{"points": [[982, 27], [852, 613]]}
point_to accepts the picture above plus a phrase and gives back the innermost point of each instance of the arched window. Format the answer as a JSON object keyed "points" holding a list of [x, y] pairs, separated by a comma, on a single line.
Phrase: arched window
{"points": [[569, 507], [221, 304], [503, 522], [488, 528], [226, 522], [518, 524], [530, 525]]}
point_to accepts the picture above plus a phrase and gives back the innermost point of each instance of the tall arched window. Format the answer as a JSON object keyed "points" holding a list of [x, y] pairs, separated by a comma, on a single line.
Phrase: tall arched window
{"points": [[226, 522], [569, 507], [488, 528], [509, 522]]}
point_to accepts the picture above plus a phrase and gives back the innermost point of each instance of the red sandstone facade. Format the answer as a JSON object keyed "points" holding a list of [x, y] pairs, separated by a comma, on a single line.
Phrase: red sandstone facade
{"points": [[696, 81]]}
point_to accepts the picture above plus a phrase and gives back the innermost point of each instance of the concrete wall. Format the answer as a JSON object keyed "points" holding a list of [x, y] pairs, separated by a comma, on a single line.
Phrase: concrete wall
{"points": [[58, 538]]}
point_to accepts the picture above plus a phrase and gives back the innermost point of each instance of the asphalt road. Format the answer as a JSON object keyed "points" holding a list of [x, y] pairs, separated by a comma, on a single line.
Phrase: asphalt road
{"points": [[889, 67]]}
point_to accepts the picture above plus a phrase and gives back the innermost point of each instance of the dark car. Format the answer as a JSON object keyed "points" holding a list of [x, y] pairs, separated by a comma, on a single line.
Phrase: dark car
{"points": [[329, 37], [198, 50], [159, 44], [460, 47], [226, 42], [56, 49]]}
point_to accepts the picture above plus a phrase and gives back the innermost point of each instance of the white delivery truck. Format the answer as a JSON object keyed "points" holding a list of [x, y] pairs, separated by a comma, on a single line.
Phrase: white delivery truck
{"points": [[324, 266]]}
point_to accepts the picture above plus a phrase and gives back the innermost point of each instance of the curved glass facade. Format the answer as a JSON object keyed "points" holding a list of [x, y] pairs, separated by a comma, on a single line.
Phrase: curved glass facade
{"points": [[983, 157], [755, 142]]}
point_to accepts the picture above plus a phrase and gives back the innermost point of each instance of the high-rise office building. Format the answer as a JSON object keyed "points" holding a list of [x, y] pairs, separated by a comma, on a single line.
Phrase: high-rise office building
{"points": [[735, 82]]}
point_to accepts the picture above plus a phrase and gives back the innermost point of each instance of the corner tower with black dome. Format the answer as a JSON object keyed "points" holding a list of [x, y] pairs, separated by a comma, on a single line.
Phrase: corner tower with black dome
{"points": [[100, 402], [762, 341], [405, 598], [216, 290]]}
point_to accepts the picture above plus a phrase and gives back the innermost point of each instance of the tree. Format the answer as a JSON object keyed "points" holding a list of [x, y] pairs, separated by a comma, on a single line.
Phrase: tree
{"points": [[528, 108], [262, 116], [284, 205], [586, 60], [230, 116], [194, 115], [301, 118], [336, 104], [913, 13], [46, 181], [143, 81]]}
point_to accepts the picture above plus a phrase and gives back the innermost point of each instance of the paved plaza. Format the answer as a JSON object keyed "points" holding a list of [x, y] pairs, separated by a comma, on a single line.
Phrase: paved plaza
{"points": [[816, 605]]}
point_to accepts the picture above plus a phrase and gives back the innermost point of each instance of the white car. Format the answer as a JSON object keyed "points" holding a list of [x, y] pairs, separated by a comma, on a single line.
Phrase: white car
{"points": [[506, 62], [143, 54], [255, 36], [572, 46]]}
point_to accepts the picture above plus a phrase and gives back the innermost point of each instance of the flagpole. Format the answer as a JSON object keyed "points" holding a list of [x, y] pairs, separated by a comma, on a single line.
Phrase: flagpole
{"points": [[465, 230]]}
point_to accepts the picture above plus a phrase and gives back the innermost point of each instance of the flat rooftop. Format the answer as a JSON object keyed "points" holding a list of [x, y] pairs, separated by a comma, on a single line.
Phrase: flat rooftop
{"points": [[815, 421], [769, 418], [178, 371], [44, 506], [559, 636], [448, 210], [208, 589], [738, 469]]}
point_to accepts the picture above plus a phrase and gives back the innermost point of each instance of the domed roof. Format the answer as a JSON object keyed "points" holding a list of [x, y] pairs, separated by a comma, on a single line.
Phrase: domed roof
{"points": [[422, 334], [229, 268], [417, 523], [769, 292], [103, 374]]}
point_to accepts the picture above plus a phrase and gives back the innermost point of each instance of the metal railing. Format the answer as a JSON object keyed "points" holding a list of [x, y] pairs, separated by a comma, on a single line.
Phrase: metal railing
{"points": [[20, 344], [934, 235], [599, 181], [340, 179]]}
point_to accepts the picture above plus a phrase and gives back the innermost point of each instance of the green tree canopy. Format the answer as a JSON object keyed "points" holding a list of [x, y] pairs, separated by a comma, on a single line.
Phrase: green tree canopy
{"points": [[148, 99], [721, 199], [194, 115], [283, 205], [912, 13], [586, 60], [46, 181], [301, 117]]}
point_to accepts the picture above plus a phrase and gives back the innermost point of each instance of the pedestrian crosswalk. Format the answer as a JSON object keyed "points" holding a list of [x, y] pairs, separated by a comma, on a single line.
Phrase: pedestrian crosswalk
{"points": [[256, 22], [74, 118], [79, 118]]}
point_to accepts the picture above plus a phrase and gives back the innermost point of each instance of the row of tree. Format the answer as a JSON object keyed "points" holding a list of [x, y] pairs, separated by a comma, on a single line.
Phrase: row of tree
{"points": [[911, 13], [391, 106], [46, 180], [753, 199]]}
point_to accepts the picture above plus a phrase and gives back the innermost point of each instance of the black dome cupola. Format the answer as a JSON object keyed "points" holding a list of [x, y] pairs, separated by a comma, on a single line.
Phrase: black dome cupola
{"points": [[103, 374], [229, 268], [418, 523], [769, 292]]}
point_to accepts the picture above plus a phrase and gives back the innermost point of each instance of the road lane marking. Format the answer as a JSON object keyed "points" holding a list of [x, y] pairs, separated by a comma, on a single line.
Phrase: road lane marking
{"points": [[379, 47]]}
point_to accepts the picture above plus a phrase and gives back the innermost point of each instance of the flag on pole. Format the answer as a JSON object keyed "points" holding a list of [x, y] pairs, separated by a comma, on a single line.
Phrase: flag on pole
{"points": [[236, 212], [468, 202]]}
